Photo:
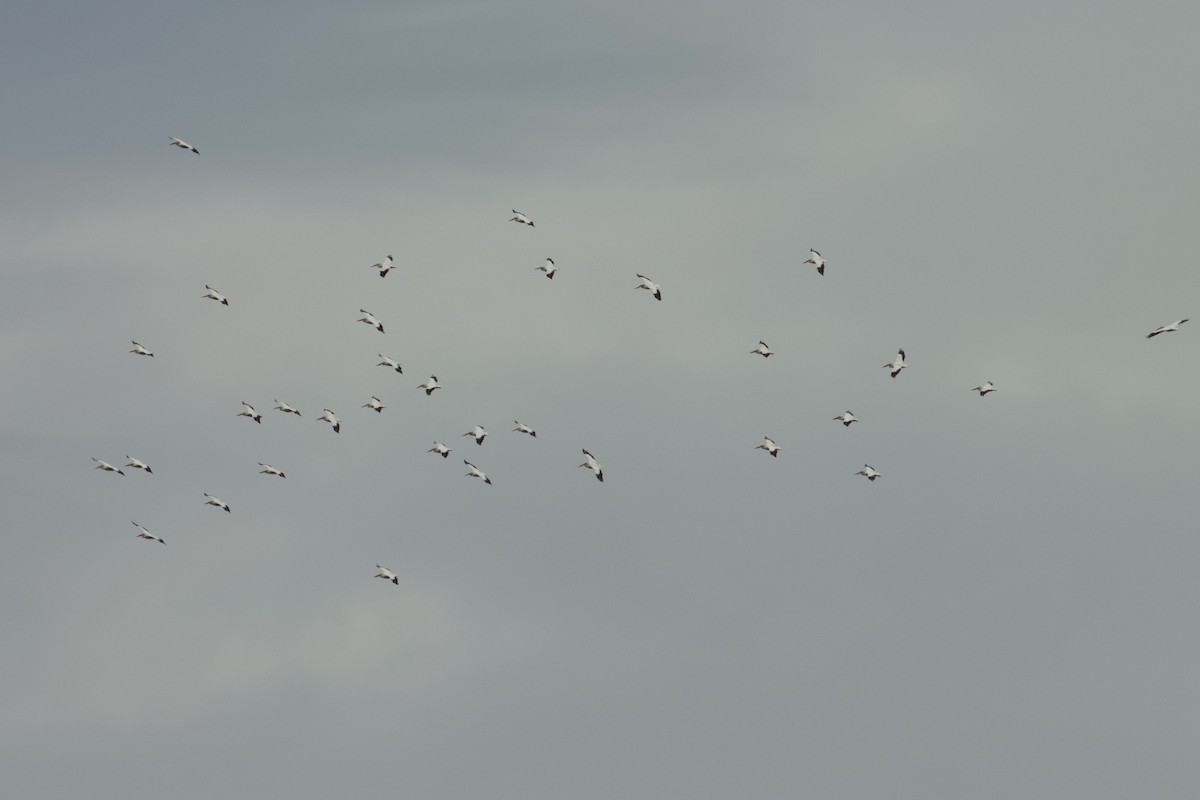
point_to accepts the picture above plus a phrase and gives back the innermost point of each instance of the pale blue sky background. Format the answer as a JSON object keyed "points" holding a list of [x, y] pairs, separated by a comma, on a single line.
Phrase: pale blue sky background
{"points": [[1007, 192]]}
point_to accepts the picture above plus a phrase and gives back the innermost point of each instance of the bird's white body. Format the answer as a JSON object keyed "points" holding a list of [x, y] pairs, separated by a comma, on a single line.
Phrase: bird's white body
{"points": [[285, 408], [1174, 326], [145, 534], [213, 294], [770, 446], [440, 449], [248, 411], [107, 467], [869, 472], [846, 418], [332, 419], [430, 385], [141, 351], [548, 268], [521, 218], [474, 472], [815, 258], [897, 365], [387, 574], [267, 469], [370, 319], [649, 285], [478, 433], [390, 363], [384, 266], [137, 463], [763, 350], [215, 501], [591, 463], [375, 404], [523, 428], [984, 388], [182, 145]]}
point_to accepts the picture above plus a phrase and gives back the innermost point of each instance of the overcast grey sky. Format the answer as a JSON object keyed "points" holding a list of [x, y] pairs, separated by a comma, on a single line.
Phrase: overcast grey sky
{"points": [[1008, 192]]}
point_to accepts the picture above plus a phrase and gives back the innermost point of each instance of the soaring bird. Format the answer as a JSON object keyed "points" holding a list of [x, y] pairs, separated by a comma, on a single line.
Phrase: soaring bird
{"points": [[145, 534], [846, 418], [384, 266], [478, 433], [896, 365], [248, 411], [984, 389], [215, 501], [387, 574], [440, 449], [869, 472], [139, 464], [182, 145], [548, 268], [521, 218], [375, 404], [141, 351], [332, 419], [763, 350], [1174, 326], [213, 294], [590, 463], [770, 446], [285, 408], [391, 363], [475, 472], [523, 428], [430, 385], [107, 467], [815, 258], [370, 319], [267, 469], [646, 283]]}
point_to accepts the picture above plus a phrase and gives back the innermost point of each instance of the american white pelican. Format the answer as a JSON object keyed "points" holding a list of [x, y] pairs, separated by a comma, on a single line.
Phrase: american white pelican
{"points": [[248, 411], [984, 389], [145, 534], [846, 418], [591, 464], [430, 385], [141, 351], [383, 266], [139, 464], [375, 404], [474, 472], [215, 501], [653, 287], [332, 419], [370, 319], [440, 449], [815, 258], [213, 294], [182, 145], [387, 574], [770, 446], [548, 268], [896, 365], [523, 428], [267, 469], [285, 408], [521, 218], [763, 350], [107, 467], [1174, 326], [390, 363], [869, 472], [478, 433]]}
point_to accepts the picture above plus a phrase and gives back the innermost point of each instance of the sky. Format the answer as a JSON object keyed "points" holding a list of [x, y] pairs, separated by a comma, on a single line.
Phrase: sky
{"points": [[1006, 192]]}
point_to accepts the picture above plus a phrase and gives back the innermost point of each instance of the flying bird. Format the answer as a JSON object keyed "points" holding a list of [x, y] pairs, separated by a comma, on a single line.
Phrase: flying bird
{"points": [[591, 464], [387, 574], [1174, 326], [523, 428], [763, 350], [384, 266], [521, 218], [139, 464], [215, 501], [474, 472], [984, 389], [213, 294], [370, 319], [430, 385], [548, 268], [107, 467], [145, 534], [846, 418], [896, 365], [478, 433], [267, 469], [815, 258], [391, 363], [141, 351], [646, 283], [770, 446], [285, 408], [248, 411], [375, 404], [869, 472], [440, 449], [182, 145], [332, 419]]}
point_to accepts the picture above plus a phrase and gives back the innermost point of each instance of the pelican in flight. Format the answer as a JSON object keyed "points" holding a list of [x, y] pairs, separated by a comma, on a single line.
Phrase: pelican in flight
{"points": [[646, 283], [548, 268], [770, 446], [815, 258], [524, 220], [984, 389], [1174, 326], [592, 464], [285, 408], [248, 411], [430, 385], [475, 472], [182, 145], [869, 472], [141, 351], [384, 266], [523, 428], [440, 449], [391, 363], [763, 350], [375, 404], [145, 534], [896, 365], [478, 433], [107, 467], [387, 574], [370, 319], [213, 294], [215, 501], [846, 418], [332, 419], [267, 469], [139, 464]]}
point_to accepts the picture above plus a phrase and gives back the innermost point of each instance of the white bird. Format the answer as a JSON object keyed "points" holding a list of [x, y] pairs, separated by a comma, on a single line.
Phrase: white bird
{"points": [[478, 433], [370, 319], [523, 428], [387, 574], [896, 365], [646, 283], [815, 258], [141, 351], [440, 449], [770, 446], [391, 363], [181, 144], [869, 472], [213, 294], [145, 534], [107, 467], [285, 408], [139, 464], [248, 411], [269, 470], [521, 218], [430, 385], [375, 404], [384, 266], [763, 350], [1174, 326], [332, 419], [215, 501], [591, 464], [846, 418], [476, 473], [984, 389], [548, 268]]}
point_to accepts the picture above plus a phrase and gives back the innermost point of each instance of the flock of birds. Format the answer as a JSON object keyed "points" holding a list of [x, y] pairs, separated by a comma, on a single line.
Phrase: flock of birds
{"points": [[478, 433]]}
